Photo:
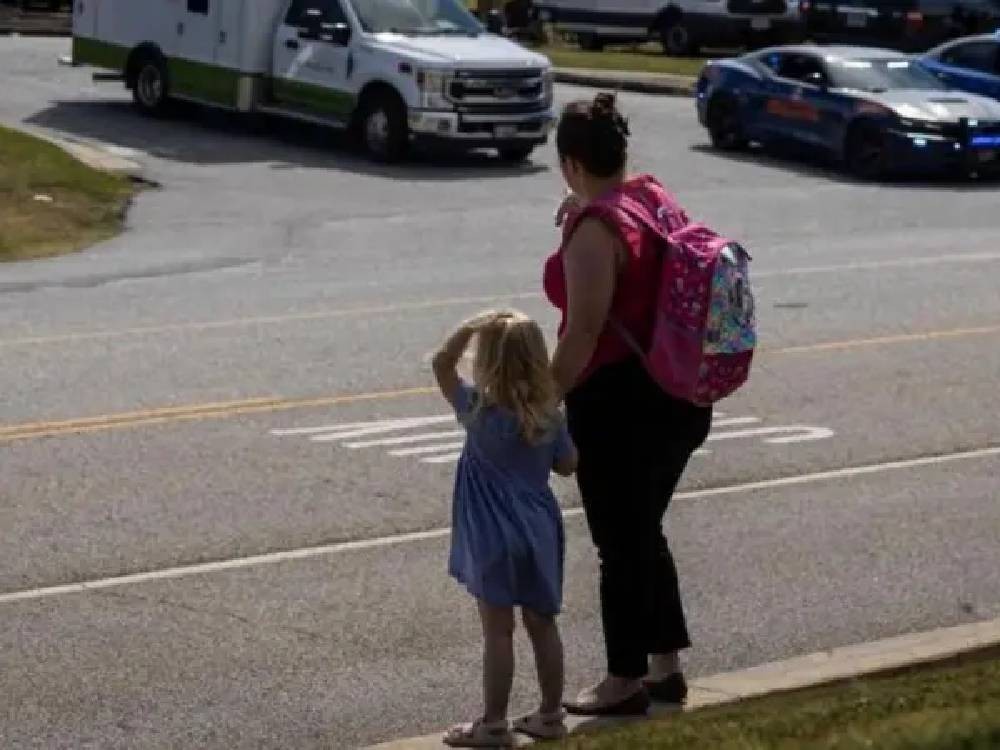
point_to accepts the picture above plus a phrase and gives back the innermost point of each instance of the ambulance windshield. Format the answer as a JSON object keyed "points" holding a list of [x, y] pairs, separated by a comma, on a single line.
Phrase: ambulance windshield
{"points": [[417, 17]]}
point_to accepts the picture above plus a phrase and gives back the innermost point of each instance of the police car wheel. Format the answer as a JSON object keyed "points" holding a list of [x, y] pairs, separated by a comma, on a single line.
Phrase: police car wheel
{"points": [[866, 155], [724, 126]]}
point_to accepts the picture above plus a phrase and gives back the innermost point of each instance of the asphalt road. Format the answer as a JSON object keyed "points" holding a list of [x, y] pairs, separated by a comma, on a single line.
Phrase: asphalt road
{"points": [[224, 383]]}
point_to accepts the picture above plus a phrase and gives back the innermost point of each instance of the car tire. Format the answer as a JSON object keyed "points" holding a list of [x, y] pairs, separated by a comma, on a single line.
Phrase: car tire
{"points": [[678, 38], [724, 126], [150, 85], [590, 42], [516, 154], [383, 127], [865, 152]]}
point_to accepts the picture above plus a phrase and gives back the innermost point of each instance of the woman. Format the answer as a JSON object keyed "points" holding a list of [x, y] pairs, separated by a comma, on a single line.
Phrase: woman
{"points": [[633, 439]]}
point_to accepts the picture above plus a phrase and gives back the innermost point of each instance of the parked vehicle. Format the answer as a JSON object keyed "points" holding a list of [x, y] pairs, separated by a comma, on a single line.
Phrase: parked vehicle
{"points": [[970, 64], [395, 72], [683, 26], [908, 25], [878, 111]]}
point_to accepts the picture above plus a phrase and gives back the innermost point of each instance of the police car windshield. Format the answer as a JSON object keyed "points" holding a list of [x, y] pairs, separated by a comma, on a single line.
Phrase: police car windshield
{"points": [[416, 17], [881, 75]]}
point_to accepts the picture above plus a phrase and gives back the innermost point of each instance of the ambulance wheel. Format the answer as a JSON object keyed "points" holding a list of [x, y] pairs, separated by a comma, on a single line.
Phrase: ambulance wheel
{"points": [[383, 127], [516, 154], [150, 85]]}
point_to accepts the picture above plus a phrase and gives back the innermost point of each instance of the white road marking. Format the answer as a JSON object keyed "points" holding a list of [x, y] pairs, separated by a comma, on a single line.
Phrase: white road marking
{"points": [[447, 458], [371, 428], [423, 437], [424, 450], [446, 450], [305, 553], [799, 433], [734, 421]]}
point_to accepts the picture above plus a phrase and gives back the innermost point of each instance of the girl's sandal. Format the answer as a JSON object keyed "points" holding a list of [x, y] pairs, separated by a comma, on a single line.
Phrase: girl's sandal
{"points": [[480, 734], [541, 726]]}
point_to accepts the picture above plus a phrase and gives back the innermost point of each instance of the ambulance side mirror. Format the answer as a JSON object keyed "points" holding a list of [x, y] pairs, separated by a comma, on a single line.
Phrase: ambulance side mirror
{"points": [[311, 24], [336, 33], [495, 23]]}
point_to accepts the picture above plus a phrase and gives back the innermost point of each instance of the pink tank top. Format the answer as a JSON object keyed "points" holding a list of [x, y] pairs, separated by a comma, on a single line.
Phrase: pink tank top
{"points": [[636, 288]]}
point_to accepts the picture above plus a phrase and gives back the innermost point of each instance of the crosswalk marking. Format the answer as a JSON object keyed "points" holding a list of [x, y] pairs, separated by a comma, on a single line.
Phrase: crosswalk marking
{"points": [[427, 449], [408, 437]]}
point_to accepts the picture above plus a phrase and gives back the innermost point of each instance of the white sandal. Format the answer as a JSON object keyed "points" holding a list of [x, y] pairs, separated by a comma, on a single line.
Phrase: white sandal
{"points": [[480, 734], [541, 726]]}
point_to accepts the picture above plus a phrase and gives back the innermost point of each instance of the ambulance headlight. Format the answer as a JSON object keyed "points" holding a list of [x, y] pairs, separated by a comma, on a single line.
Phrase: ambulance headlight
{"points": [[432, 85]]}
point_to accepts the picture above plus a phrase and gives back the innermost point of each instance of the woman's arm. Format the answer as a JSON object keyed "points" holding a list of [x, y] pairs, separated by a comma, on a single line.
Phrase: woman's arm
{"points": [[590, 263]]}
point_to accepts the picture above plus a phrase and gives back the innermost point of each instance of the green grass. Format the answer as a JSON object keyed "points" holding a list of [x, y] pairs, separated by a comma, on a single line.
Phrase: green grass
{"points": [[956, 708], [50, 203], [642, 59]]}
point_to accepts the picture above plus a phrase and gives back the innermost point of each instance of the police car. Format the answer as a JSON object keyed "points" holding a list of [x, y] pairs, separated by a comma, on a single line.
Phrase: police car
{"points": [[878, 111], [971, 64]]}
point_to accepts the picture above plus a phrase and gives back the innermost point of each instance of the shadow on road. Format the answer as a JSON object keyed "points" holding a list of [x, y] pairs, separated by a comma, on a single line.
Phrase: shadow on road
{"points": [[198, 135], [808, 163]]}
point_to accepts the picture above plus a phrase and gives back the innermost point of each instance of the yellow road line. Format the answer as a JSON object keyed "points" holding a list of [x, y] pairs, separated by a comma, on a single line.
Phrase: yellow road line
{"points": [[902, 338], [191, 413], [330, 314], [220, 410]]}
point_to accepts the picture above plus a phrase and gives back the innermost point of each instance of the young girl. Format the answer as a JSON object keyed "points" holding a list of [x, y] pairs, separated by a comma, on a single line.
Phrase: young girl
{"points": [[507, 539]]}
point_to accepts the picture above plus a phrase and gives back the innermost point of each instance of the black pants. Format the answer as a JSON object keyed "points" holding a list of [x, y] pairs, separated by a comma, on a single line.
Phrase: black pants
{"points": [[635, 442]]}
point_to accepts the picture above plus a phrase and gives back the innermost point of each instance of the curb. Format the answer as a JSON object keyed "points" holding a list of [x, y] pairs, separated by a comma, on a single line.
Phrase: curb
{"points": [[93, 156], [661, 85], [871, 659]]}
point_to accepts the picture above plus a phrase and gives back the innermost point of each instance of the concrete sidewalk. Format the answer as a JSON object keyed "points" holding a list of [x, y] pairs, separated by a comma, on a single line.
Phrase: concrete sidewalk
{"points": [[813, 670], [620, 80]]}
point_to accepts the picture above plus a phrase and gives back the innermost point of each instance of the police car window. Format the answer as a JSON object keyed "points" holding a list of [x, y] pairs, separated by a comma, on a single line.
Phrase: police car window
{"points": [[981, 56], [800, 67], [331, 10]]}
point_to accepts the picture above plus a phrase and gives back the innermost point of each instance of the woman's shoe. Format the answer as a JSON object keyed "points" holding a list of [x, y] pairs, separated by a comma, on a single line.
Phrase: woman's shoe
{"points": [[670, 689], [636, 704]]}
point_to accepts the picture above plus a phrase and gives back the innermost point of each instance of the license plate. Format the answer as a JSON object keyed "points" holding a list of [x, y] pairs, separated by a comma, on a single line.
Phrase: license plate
{"points": [[856, 20], [505, 131], [760, 24], [987, 155]]}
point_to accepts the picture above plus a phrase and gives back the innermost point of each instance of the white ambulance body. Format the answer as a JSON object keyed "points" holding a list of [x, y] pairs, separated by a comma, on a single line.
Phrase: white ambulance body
{"points": [[396, 71]]}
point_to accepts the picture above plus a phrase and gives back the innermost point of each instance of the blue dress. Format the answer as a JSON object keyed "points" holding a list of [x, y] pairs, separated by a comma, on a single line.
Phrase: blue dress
{"points": [[507, 543]]}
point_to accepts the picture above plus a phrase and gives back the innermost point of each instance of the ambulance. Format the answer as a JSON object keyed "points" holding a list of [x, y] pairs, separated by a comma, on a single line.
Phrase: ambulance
{"points": [[395, 73]]}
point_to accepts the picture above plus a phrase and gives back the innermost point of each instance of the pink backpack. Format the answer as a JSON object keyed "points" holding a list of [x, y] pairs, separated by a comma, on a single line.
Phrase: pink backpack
{"points": [[705, 330]]}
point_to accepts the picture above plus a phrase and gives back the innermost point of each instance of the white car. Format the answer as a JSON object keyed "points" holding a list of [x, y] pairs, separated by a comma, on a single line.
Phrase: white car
{"points": [[683, 26]]}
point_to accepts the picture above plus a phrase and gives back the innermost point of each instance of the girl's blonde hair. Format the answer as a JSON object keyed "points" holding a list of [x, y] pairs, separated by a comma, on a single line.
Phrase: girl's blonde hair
{"points": [[512, 370]]}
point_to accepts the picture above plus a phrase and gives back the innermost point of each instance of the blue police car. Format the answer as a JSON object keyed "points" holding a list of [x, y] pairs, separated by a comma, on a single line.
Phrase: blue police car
{"points": [[970, 64], [879, 112]]}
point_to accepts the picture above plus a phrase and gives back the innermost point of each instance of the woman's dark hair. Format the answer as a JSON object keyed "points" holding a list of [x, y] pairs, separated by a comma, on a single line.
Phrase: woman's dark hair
{"points": [[594, 134]]}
